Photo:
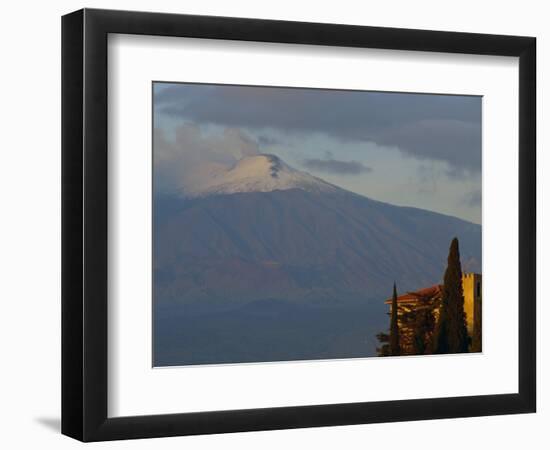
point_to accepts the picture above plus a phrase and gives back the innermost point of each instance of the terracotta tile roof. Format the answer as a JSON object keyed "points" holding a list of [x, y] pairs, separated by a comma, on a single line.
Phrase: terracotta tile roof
{"points": [[417, 295]]}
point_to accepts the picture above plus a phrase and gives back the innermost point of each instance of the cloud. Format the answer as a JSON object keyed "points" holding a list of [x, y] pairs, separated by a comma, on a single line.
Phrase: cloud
{"points": [[191, 156], [439, 139], [268, 140], [334, 166], [437, 127], [473, 198]]}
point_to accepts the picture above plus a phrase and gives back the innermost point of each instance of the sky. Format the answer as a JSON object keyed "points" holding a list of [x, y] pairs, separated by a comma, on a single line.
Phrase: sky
{"points": [[420, 150]]}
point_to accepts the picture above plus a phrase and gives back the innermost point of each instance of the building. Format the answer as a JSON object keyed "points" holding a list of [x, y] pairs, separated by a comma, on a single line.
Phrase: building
{"points": [[471, 285], [429, 299]]}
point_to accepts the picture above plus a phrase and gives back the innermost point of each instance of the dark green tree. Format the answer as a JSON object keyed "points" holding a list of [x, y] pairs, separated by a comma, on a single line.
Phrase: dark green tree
{"points": [[384, 349], [417, 325], [451, 334], [424, 323], [395, 347]]}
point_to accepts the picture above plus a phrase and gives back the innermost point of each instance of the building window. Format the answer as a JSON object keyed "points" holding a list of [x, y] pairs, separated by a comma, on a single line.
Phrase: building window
{"points": [[478, 289]]}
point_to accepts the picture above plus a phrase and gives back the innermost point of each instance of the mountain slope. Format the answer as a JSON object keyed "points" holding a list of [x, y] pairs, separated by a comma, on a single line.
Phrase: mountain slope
{"points": [[317, 246]]}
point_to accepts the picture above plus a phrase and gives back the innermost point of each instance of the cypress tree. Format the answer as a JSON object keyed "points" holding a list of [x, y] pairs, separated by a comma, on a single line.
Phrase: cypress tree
{"points": [[395, 348], [451, 335]]}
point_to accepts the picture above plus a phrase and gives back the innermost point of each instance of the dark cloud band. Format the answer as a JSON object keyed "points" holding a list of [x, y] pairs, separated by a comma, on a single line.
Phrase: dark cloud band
{"points": [[437, 127], [337, 167]]}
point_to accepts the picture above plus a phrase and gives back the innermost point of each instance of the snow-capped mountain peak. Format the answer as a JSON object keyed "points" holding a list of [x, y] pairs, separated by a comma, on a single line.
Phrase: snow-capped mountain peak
{"points": [[258, 173]]}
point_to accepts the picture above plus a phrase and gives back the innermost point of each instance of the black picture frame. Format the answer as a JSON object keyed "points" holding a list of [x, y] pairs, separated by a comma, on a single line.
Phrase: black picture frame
{"points": [[84, 224]]}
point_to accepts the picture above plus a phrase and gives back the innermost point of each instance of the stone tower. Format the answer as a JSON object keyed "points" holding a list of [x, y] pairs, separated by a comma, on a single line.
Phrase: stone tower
{"points": [[471, 284]]}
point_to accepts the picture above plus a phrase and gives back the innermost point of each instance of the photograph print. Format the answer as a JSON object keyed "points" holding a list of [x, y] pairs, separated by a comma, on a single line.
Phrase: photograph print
{"points": [[300, 224]]}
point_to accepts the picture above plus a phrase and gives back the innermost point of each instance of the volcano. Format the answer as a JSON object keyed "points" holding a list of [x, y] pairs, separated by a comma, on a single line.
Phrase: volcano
{"points": [[269, 243]]}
